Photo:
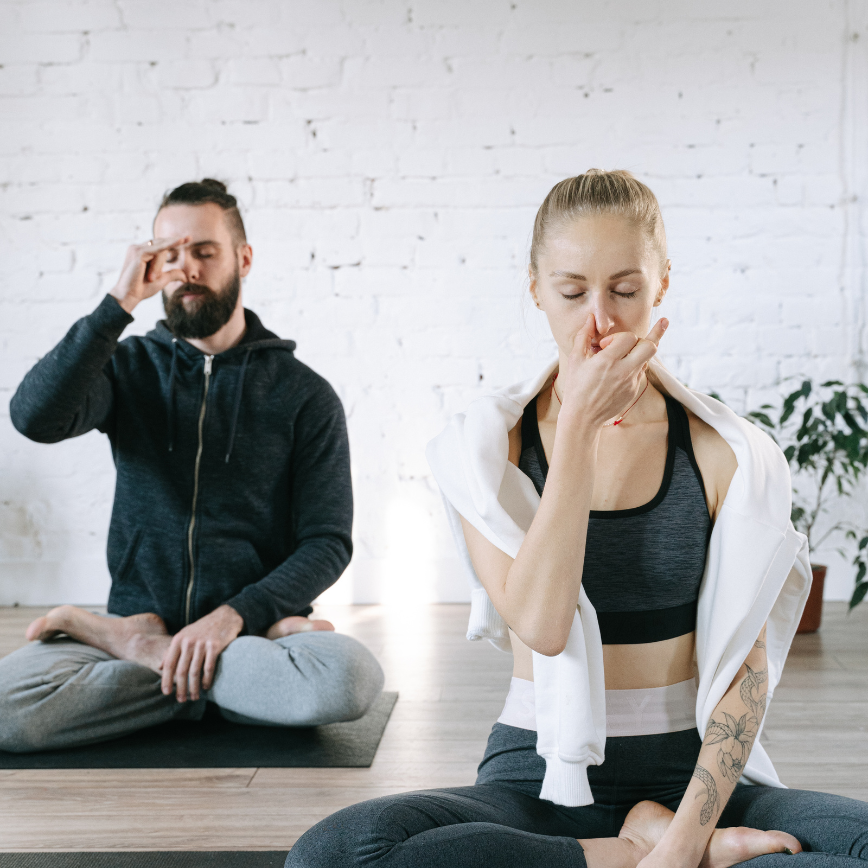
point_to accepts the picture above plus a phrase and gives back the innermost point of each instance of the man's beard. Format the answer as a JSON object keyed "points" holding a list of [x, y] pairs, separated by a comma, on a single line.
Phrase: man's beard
{"points": [[206, 316]]}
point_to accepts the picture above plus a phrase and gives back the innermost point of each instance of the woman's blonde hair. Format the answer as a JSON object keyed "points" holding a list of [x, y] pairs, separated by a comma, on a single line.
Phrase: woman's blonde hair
{"points": [[599, 192]]}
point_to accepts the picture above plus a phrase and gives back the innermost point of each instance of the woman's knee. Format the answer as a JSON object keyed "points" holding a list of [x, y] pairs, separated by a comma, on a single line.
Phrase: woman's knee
{"points": [[340, 839]]}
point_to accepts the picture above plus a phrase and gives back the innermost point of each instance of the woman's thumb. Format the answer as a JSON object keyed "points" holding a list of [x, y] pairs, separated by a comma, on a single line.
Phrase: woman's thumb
{"points": [[585, 337]]}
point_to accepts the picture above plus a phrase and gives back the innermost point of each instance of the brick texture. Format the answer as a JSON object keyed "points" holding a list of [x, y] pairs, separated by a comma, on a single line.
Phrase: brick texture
{"points": [[390, 157]]}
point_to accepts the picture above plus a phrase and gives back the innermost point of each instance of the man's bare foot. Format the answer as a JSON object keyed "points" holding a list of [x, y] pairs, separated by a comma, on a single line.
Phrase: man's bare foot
{"points": [[296, 624], [141, 638], [645, 824]]}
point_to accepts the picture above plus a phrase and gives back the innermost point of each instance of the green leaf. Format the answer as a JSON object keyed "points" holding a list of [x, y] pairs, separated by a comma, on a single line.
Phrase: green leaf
{"points": [[761, 418], [858, 595]]}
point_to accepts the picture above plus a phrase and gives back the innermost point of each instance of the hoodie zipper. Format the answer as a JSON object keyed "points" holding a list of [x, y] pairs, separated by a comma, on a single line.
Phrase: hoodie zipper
{"points": [[208, 361]]}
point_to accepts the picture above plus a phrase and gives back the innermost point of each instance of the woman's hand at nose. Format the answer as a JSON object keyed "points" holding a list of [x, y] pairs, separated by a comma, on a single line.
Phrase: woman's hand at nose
{"points": [[598, 386]]}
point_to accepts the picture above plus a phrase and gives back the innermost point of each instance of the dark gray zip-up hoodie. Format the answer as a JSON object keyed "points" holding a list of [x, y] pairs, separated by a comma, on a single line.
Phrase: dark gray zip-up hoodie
{"points": [[232, 487]]}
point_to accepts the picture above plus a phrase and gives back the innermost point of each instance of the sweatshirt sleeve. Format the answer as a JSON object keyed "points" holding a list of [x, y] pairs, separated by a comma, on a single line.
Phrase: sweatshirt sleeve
{"points": [[321, 509], [68, 392]]}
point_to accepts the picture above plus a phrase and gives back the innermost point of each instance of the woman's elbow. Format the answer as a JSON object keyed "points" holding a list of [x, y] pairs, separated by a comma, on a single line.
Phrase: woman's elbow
{"points": [[546, 641], [549, 648]]}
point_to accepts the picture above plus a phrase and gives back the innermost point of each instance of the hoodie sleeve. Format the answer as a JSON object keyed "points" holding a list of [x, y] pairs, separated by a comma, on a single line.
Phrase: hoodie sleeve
{"points": [[69, 391], [321, 508]]}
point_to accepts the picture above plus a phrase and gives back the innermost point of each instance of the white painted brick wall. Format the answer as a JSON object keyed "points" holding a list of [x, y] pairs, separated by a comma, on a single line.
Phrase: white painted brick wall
{"points": [[390, 157]]}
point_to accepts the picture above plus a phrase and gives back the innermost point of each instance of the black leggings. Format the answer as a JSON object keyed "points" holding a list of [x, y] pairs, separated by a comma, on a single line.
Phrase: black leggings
{"points": [[502, 823]]}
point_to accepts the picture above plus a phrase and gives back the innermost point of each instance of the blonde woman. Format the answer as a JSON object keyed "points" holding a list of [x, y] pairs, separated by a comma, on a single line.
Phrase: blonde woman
{"points": [[629, 540]]}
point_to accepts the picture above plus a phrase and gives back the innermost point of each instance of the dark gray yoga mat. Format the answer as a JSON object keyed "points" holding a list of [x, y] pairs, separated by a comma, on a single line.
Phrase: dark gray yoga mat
{"points": [[214, 743], [153, 859]]}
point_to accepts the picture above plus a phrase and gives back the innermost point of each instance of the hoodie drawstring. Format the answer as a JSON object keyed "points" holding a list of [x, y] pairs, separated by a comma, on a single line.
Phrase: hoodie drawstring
{"points": [[171, 408], [238, 391]]}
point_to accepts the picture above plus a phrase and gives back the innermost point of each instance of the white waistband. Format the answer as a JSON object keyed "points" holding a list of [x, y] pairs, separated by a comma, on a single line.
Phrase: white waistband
{"points": [[646, 711]]}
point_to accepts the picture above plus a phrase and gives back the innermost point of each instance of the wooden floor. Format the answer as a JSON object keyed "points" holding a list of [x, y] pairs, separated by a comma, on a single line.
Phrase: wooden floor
{"points": [[451, 693]]}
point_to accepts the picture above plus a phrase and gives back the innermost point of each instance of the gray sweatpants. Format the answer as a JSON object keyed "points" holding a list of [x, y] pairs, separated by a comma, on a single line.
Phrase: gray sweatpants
{"points": [[61, 693]]}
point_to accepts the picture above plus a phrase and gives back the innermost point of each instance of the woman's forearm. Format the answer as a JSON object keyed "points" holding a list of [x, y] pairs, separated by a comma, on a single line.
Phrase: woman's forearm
{"points": [[541, 588], [726, 747]]}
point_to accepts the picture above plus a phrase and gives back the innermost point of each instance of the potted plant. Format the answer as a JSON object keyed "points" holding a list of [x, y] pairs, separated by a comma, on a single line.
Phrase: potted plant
{"points": [[823, 431]]}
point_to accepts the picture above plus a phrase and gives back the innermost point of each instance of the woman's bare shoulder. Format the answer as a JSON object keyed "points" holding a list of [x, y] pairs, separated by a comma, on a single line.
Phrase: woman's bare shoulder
{"points": [[515, 444], [716, 460]]}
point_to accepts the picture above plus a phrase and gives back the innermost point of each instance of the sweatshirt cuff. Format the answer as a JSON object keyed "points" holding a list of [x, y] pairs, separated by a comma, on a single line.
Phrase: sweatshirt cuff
{"points": [[566, 783], [109, 319], [258, 614]]}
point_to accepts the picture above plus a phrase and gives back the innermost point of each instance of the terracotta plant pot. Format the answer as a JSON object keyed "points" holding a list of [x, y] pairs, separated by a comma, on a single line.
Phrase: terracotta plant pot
{"points": [[810, 622]]}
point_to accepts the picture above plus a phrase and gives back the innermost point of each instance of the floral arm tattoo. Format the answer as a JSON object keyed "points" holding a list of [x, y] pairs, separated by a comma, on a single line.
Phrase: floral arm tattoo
{"points": [[733, 734]]}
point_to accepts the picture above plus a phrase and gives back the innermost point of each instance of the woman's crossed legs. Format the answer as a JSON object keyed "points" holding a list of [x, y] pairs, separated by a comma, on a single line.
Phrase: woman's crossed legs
{"points": [[496, 826]]}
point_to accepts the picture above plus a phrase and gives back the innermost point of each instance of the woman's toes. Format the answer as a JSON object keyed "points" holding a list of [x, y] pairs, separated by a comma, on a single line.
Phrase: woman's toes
{"points": [[784, 842], [739, 844]]}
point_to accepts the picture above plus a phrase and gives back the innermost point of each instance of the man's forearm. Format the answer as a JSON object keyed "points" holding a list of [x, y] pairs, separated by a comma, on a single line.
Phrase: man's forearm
{"points": [[315, 566], [66, 393], [726, 747]]}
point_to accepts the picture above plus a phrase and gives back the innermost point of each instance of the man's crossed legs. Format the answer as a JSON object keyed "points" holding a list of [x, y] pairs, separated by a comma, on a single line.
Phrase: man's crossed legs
{"points": [[105, 681]]}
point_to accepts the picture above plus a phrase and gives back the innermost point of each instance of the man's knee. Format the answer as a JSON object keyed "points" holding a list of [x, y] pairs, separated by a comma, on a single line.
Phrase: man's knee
{"points": [[351, 679], [306, 679], [36, 703], [23, 728]]}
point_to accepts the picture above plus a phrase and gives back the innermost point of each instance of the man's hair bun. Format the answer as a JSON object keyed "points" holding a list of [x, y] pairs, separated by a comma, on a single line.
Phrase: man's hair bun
{"points": [[214, 185]]}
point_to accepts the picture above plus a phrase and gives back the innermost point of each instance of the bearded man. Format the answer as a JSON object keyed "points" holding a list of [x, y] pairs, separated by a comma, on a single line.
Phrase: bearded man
{"points": [[232, 511]]}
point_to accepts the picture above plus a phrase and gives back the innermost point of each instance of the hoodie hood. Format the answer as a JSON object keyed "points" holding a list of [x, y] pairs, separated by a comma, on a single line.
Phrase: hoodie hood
{"points": [[256, 337]]}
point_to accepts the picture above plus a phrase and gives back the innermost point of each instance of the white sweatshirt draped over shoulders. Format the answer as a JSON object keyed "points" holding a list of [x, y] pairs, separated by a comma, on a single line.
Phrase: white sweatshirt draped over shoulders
{"points": [[757, 571]]}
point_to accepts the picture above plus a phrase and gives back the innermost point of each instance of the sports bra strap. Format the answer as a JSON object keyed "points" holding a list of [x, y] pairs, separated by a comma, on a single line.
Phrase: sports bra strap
{"points": [[529, 426], [679, 431]]}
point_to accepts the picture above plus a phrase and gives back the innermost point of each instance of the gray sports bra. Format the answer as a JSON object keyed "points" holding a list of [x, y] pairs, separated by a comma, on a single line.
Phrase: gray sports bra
{"points": [[643, 566]]}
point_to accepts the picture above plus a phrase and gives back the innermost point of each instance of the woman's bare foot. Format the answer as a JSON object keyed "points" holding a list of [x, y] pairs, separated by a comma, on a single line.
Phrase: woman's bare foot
{"points": [[296, 624], [738, 844], [645, 824], [141, 638]]}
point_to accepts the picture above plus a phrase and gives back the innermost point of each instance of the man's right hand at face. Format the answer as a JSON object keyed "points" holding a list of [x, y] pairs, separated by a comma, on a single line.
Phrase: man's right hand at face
{"points": [[142, 275]]}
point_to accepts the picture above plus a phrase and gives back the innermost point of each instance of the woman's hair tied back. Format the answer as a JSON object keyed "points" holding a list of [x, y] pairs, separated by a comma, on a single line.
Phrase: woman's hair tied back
{"points": [[599, 192]]}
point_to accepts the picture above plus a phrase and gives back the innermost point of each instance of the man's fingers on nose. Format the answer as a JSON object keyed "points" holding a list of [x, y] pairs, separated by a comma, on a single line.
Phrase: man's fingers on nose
{"points": [[155, 245], [173, 276]]}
